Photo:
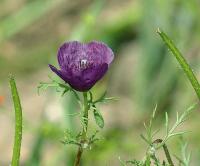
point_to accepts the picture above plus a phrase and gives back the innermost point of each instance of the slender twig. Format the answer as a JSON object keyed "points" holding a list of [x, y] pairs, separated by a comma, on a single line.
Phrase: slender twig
{"points": [[84, 131], [18, 123], [182, 61]]}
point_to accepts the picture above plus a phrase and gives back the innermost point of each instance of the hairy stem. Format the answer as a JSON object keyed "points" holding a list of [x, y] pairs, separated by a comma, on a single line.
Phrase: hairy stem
{"points": [[84, 130], [18, 123], [182, 61]]}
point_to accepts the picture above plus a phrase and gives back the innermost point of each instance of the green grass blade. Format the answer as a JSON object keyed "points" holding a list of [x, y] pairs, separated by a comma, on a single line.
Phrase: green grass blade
{"points": [[182, 61], [18, 123]]}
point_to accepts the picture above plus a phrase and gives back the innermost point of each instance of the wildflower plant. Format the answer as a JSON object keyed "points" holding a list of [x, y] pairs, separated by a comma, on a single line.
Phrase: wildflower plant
{"points": [[81, 66], [154, 144]]}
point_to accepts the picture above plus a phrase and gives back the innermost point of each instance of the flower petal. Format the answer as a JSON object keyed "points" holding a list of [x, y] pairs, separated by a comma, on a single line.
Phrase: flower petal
{"points": [[60, 73], [68, 54], [88, 78], [99, 52], [93, 74]]}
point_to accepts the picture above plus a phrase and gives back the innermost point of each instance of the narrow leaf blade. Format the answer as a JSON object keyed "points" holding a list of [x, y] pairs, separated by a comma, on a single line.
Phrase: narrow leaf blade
{"points": [[182, 61], [98, 118], [18, 123]]}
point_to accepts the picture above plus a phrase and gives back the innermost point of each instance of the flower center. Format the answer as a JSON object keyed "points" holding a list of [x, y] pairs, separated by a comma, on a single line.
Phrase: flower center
{"points": [[83, 64]]}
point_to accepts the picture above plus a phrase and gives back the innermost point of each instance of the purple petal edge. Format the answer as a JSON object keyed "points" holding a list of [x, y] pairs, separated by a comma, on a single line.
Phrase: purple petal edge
{"points": [[58, 72]]}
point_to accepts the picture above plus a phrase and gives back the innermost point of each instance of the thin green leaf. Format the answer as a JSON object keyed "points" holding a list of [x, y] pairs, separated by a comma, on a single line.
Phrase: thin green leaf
{"points": [[178, 133], [155, 132], [107, 99], [65, 91], [148, 161], [145, 139], [101, 98], [177, 117], [43, 86], [18, 123], [166, 123], [98, 118], [182, 61], [154, 111]]}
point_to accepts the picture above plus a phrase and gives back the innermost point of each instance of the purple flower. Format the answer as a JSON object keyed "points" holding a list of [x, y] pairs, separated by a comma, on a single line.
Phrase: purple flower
{"points": [[82, 65]]}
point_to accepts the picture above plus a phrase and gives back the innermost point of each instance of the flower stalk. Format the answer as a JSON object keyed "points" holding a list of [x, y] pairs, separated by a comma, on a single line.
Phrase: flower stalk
{"points": [[84, 130]]}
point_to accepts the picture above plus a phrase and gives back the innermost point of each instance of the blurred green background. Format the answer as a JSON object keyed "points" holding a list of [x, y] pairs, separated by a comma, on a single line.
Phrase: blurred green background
{"points": [[143, 74]]}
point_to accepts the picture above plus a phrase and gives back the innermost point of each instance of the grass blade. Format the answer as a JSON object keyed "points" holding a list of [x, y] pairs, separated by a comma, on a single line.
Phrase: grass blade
{"points": [[182, 61], [18, 123]]}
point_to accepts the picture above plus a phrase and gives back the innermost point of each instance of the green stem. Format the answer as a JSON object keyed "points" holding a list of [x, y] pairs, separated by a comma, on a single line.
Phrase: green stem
{"points": [[85, 115], [182, 61], [18, 123], [155, 159], [167, 154], [84, 130]]}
